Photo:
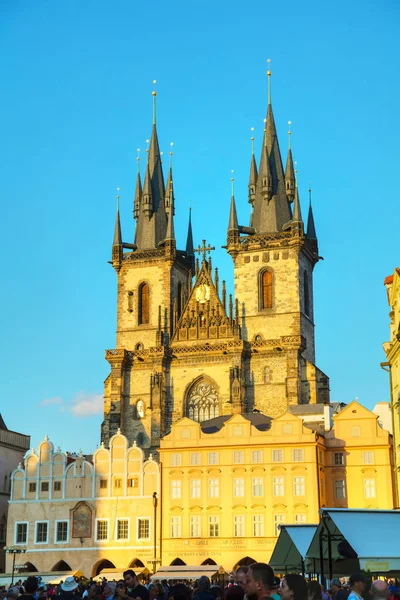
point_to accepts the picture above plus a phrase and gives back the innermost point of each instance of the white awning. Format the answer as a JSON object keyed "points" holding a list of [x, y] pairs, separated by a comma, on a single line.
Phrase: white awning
{"points": [[53, 577], [188, 572], [118, 574], [291, 547], [372, 534]]}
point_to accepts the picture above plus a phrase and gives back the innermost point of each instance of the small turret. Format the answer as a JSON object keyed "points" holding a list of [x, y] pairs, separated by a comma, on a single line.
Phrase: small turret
{"points": [[147, 194], [290, 179], [233, 227], [189, 239], [117, 241], [253, 173], [311, 233], [138, 197]]}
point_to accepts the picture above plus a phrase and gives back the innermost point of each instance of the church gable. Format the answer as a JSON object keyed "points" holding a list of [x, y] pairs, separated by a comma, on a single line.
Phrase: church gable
{"points": [[204, 316]]}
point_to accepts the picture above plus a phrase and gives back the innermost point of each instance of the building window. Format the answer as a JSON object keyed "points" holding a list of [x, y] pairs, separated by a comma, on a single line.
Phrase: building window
{"points": [[257, 456], [340, 490], [101, 530], [238, 488], [237, 431], [44, 486], [117, 483], [299, 519], [306, 294], [267, 375], [21, 533], [176, 460], [132, 482], [195, 527], [369, 488], [195, 489], [144, 304], [265, 290], [103, 484], [213, 526], [32, 487], [176, 489], [41, 532], [299, 486], [195, 458], [277, 456], [213, 488], [175, 527], [122, 529], [61, 532], [143, 529], [368, 458], [339, 459], [57, 486], [238, 457], [213, 458], [278, 486], [298, 455], [202, 403], [238, 526], [355, 432], [258, 488], [258, 525], [278, 520]]}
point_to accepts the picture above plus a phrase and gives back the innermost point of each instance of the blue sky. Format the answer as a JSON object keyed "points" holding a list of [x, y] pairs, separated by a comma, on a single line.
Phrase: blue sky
{"points": [[75, 97]]}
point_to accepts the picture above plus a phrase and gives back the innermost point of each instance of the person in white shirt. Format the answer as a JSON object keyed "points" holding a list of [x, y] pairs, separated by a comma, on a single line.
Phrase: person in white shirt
{"points": [[357, 586]]}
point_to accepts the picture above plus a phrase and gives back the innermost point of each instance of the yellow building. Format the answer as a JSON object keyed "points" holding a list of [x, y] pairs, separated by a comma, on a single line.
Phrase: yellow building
{"points": [[230, 482], [74, 513], [392, 349]]}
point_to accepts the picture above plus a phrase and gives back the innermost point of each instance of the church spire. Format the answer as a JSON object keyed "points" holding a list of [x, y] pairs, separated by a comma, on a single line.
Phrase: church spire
{"points": [[117, 241], [169, 189], [297, 218], [138, 191], [290, 179], [170, 235], [271, 206], [253, 172], [151, 225], [233, 227], [311, 233], [189, 239]]}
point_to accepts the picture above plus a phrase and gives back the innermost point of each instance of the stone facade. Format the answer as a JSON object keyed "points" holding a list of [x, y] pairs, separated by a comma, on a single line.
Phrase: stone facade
{"points": [[392, 350], [71, 512], [13, 446]]}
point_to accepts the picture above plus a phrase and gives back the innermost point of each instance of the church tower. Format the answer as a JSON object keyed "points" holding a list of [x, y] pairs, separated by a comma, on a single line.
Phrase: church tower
{"points": [[274, 259], [153, 280]]}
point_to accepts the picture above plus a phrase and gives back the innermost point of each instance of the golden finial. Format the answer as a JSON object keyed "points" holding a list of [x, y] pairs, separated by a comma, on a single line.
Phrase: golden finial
{"points": [[252, 139], [147, 145], [170, 154], [117, 197], [154, 94], [269, 73], [138, 160], [233, 182], [289, 134]]}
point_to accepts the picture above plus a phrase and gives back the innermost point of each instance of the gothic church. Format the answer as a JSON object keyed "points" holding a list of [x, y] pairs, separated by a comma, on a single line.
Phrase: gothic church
{"points": [[183, 348]]}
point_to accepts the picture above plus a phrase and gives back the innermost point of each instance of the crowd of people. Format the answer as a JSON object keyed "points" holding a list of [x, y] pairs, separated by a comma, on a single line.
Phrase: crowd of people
{"points": [[256, 582]]}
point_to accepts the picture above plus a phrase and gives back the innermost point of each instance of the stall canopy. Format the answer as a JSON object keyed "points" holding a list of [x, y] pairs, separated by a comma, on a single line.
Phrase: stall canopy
{"points": [[118, 574], [368, 536], [291, 547], [52, 577], [188, 572]]}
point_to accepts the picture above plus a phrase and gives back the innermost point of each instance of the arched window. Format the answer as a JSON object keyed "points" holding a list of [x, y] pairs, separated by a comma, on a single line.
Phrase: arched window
{"points": [[144, 305], [140, 409], [265, 289], [202, 402], [306, 295]]}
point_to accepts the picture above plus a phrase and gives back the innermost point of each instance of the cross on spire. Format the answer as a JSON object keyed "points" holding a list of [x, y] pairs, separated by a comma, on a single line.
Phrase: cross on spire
{"points": [[203, 249]]}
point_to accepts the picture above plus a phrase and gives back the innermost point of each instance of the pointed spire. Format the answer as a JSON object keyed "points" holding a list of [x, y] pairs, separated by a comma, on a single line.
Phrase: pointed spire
{"points": [[296, 207], [189, 239], [117, 229], [290, 179], [138, 191], [233, 220], [169, 191], [147, 194], [170, 235], [311, 233], [253, 172]]}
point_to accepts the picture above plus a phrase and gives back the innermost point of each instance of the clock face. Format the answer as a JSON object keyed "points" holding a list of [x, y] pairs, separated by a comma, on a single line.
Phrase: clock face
{"points": [[203, 293]]}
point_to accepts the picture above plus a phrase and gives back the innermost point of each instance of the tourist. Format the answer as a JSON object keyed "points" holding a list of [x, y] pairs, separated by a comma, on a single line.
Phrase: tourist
{"points": [[68, 589], [202, 591], [240, 576], [379, 590], [133, 588], [234, 592], [11, 594], [314, 590], [293, 587], [338, 592], [109, 590], [260, 581], [357, 586], [31, 585]]}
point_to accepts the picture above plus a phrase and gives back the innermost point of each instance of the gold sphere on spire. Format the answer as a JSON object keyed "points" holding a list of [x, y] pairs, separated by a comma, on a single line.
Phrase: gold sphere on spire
{"points": [[154, 93]]}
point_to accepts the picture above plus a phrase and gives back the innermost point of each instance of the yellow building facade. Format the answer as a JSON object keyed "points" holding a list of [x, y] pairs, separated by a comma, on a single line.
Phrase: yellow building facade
{"points": [[71, 512], [392, 350]]}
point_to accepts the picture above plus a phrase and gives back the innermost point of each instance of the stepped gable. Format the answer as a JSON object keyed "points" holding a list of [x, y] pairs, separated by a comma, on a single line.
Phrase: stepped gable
{"points": [[204, 316]]}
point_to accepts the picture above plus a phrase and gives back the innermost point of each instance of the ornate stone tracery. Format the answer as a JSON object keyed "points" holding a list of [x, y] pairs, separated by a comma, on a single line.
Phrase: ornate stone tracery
{"points": [[202, 401]]}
